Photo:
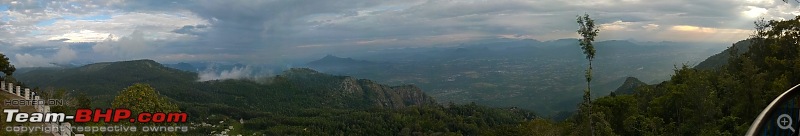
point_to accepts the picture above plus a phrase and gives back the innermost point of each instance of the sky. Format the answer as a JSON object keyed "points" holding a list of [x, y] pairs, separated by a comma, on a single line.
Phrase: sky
{"points": [[41, 33]]}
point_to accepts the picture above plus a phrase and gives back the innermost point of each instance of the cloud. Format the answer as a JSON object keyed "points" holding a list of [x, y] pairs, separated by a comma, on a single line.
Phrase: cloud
{"points": [[707, 30], [95, 30], [63, 56], [616, 26], [703, 34], [30, 60], [650, 27], [754, 12], [81, 36], [246, 72], [133, 45], [191, 29]]}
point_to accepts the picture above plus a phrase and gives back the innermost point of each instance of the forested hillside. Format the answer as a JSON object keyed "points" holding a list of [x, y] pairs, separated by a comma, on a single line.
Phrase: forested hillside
{"points": [[298, 101], [720, 59], [723, 100]]}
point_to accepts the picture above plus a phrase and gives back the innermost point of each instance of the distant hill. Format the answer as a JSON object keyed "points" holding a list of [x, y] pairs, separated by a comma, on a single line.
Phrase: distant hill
{"points": [[628, 87], [339, 65], [720, 59], [106, 78], [332, 61], [183, 66], [29, 69], [294, 88]]}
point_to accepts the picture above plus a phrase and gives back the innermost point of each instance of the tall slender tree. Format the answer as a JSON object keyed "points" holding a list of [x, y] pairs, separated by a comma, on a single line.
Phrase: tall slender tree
{"points": [[588, 32]]}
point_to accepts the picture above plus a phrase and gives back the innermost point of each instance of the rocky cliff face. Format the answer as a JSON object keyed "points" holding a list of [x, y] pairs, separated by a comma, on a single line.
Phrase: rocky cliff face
{"points": [[413, 95], [393, 96], [352, 92]]}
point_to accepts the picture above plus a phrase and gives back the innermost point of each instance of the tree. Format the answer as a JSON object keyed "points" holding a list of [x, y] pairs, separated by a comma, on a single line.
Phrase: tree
{"points": [[142, 98], [588, 32], [5, 65], [83, 101], [541, 127]]}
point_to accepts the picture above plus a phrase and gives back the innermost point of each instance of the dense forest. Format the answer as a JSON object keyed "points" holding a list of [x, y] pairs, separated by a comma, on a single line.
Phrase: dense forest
{"points": [[723, 100]]}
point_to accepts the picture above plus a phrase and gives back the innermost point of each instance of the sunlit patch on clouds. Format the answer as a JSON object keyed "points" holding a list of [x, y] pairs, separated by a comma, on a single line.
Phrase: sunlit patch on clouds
{"points": [[696, 29], [81, 36], [650, 27], [754, 12], [616, 26], [688, 28], [159, 26], [705, 34], [516, 36], [108, 31], [761, 2]]}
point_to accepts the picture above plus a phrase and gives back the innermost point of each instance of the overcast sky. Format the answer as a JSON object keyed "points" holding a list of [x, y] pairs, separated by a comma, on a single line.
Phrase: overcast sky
{"points": [[42, 32]]}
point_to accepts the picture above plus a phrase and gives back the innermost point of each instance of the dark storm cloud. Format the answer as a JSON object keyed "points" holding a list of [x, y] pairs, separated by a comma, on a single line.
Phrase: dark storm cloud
{"points": [[262, 23], [248, 26], [273, 27], [190, 29]]}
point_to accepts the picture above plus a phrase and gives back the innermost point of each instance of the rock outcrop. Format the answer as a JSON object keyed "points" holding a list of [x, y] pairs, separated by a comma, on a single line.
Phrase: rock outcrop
{"points": [[349, 89]]}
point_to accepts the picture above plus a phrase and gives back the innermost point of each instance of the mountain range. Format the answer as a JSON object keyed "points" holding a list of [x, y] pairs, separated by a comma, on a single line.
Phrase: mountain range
{"points": [[102, 81], [545, 76]]}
